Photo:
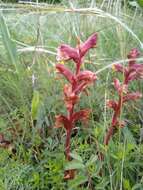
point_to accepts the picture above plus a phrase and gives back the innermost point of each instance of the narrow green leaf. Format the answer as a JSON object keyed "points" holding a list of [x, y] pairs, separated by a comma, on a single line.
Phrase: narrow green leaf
{"points": [[35, 104], [8, 43]]}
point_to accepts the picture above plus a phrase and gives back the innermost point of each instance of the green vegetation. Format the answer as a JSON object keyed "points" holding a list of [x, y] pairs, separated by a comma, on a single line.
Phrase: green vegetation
{"points": [[44, 1], [32, 150]]}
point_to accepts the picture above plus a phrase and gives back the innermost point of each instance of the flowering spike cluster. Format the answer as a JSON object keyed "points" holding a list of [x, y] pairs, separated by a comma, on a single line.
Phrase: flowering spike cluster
{"points": [[78, 82], [132, 72]]}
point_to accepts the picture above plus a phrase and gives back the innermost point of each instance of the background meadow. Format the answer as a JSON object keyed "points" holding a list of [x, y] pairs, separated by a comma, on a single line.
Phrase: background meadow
{"points": [[31, 96]]}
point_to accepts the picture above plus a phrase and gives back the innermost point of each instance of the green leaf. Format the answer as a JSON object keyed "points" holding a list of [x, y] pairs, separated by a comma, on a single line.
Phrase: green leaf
{"points": [[8, 43], [126, 184], [74, 165], [35, 104], [77, 181], [140, 2], [36, 178], [76, 156]]}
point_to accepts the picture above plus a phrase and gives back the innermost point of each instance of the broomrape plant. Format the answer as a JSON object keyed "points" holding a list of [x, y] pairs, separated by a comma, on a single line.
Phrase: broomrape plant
{"points": [[132, 72], [78, 82], [81, 79]]}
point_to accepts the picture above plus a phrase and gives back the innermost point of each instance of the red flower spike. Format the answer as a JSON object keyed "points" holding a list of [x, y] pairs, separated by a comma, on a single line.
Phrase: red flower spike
{"points": [[65, 72], [132, 96], [88, 44], [79, 80], [132, 72]]}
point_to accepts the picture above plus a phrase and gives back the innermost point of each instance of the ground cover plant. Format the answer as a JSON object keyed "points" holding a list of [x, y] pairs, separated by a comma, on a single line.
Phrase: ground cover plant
{"points": [[31, 149]]}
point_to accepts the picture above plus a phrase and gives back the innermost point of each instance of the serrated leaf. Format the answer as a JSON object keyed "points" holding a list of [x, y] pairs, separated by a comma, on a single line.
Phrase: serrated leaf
{"points": [[74, 165], [77, 181], [35, 104], [76, 156]]}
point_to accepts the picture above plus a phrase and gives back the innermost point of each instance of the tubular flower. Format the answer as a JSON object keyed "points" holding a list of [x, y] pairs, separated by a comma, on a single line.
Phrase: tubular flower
{"points": [[88, 44], [70, 97], [132, 96], [62, 120], [66, 72], [65, 52], [120, 88], [78, 82], [112, 104], [86, 76]]}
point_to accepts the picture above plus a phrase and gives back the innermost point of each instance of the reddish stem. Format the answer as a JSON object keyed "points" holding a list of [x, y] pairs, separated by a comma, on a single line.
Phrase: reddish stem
{"points": [[67, 145], [69, 174], [109, 134], [78, 66], [68, 136], [111, 129]]}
